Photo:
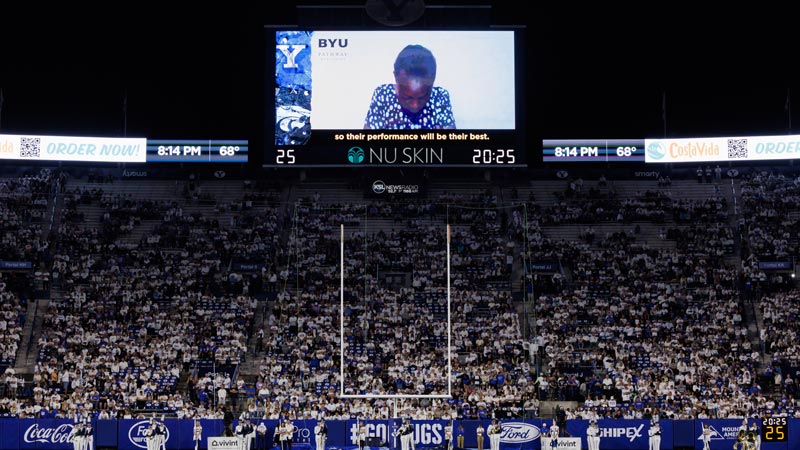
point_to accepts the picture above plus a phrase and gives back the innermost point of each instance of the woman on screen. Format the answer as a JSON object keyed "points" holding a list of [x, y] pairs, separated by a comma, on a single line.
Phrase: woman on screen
{"points": [[412, 102]]}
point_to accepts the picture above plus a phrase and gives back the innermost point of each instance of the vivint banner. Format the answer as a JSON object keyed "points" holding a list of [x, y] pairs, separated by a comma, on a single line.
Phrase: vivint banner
{"points": [[68, 148], [730, 149]]}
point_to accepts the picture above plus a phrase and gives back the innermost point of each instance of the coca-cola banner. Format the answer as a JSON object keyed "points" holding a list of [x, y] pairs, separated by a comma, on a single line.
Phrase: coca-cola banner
{"points": [[55, 434]]}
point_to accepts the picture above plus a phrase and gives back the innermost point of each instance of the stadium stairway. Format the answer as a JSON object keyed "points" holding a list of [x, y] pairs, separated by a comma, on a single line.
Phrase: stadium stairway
{"points": [[31, 331], [249, 368]]}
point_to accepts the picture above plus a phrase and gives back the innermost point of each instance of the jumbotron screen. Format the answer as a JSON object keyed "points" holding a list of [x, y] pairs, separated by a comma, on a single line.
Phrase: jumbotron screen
{"points": [[375, 98]]}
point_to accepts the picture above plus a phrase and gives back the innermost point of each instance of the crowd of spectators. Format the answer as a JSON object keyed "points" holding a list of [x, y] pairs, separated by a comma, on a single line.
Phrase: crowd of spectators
{"points": [[159, 303]]}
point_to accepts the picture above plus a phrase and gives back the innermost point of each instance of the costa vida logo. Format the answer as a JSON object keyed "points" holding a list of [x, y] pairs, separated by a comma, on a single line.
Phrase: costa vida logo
{"points": [[655, 150], [136, 433], [519, 432], [355, 155], [61, 434]]}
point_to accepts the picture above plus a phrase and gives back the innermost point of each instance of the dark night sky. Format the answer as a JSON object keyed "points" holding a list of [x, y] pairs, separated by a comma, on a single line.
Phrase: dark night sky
{"points": [[197, 72]]}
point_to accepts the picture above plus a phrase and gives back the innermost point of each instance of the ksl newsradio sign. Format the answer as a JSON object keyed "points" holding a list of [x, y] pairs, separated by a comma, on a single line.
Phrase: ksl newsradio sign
{"points": [[381, 188]]}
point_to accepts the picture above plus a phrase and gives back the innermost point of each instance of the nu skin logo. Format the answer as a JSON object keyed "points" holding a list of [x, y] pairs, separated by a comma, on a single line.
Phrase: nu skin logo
{"points": [[355, 155], [290, 52]]}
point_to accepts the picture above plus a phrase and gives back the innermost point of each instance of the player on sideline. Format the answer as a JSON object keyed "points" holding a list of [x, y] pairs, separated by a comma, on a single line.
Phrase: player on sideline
{"points": [[479, 431], [554, 432], [162, 434], [706, 437], [321, 434], [88, 435], [494, 432], [756, 433], [655, 434], [150, 435], [197, 434], [448, 436], [593, 435], [406, 433], [239, 432], [287, 433], [362, 435], [77, 435]]}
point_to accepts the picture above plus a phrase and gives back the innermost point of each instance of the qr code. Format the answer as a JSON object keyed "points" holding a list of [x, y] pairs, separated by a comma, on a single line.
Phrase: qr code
{"points": [[30, 147], [737, 148]]}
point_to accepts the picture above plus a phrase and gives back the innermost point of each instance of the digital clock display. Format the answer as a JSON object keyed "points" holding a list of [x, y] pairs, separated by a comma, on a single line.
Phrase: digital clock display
{"points": [[774, 429], [196, 150], [592, 150]]}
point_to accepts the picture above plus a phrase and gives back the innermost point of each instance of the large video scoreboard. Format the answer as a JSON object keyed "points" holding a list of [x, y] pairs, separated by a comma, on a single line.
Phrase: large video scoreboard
{"points": [[332, 99]]}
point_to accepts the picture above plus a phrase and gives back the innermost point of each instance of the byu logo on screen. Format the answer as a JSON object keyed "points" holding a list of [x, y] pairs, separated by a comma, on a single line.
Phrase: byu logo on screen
{"points": [[290, 52], [355, 155], [332, 43]]}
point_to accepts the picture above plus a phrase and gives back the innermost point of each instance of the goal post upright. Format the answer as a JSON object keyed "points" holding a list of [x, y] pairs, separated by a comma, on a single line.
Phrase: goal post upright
{"points": [[342, 394], [341, 308], [449, 359]]}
